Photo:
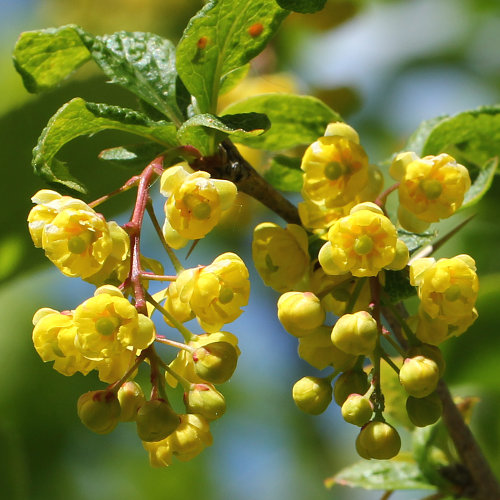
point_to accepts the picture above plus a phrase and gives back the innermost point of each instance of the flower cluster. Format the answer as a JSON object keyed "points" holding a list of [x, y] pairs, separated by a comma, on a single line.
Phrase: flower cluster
{"points": [[345, 274], [113, 333]]}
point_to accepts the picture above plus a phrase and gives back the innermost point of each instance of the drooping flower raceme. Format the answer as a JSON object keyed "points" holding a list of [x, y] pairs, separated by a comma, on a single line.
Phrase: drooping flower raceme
{"points": [[195, 204], [363, 243]]}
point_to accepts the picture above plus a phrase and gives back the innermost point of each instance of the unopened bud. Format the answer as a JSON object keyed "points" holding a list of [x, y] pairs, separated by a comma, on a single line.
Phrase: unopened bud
{"points": [[156, 420], [312, 394], [424, 411], [205, 400], [419, 376], [131, 398], [379, 440], [350, 382], [355, 333], [215, 362], [99, 411], [357, 410]]}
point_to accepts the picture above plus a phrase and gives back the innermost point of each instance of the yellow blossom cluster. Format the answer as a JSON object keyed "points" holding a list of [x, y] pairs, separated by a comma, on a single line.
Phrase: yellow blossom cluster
{"points": [[337, 262]]}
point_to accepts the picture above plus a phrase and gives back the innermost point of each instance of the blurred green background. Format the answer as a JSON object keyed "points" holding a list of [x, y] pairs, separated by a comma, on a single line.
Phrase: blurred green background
{"points": [[386, 66]]}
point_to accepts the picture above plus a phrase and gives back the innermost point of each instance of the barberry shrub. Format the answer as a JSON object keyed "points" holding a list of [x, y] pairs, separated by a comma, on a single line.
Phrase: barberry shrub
{"points": [[344, 261]]}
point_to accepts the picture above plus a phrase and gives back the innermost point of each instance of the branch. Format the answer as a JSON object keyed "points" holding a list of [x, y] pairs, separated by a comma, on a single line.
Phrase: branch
{"points": [[486, 486], [228, 164]]}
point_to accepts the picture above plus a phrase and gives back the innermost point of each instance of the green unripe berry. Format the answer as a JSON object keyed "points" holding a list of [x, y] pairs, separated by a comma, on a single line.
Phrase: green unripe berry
{"points": [[156, 420], [312, 394], [351, 382], [205, 400], [300, 313], [379, 440], [355, 333], [429, 351], [419, 376], [131, 398], [99, 411], [357, 410], [215, 362], [424, 411]]}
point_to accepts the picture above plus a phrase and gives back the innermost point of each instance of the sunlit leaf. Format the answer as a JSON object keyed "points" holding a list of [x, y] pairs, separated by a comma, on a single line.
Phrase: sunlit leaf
{"points": [[223, 36], [295, 120], [401, 473], [285, 174], [77, 118]]}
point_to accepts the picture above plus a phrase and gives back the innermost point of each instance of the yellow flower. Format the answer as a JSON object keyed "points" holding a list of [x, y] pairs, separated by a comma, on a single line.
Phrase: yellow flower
{"points": [[447, 289], [335, 171], [183, 364], [280, 255], [48, 204], [54, 340], [107, 324], [188, 440], [115, 268], [432, 188], [362, 243], [195, 204], [317, 349], [216, 292]]}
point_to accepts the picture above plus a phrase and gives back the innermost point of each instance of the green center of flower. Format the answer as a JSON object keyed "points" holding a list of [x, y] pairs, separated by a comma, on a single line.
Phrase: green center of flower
{"points": [[453, 293], [334, 170], [78, 244], [225, 295], [107, 326], [431, 188], [363, 244], [202, 211], [270, 265]]}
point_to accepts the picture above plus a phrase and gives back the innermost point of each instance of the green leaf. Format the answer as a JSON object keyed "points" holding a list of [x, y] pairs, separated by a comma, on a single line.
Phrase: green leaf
{"points": [[223, 36], [302, 6], [132, 156], [417, 140], [481, 183], [397, 286], [415, 241], [285, 174], [143, 63], [401, 473], [295, 120], [472, 137], [205, 131], [77, 118], [45, 58], [230, 80]]}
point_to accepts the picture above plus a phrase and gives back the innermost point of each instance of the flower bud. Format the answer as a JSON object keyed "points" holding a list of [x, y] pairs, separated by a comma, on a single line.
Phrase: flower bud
{"points": [[429, 351], [419, 376], [215, 362], [355, 333], [379, 440], [424, 411], [156, 420], [205, 400], [400, 257], [300, 312], [131, 398], [99, 411], [312, 394], [357, 410], [351, 382]]}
